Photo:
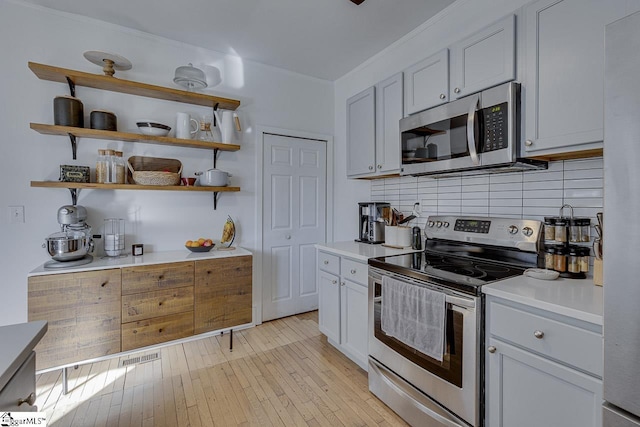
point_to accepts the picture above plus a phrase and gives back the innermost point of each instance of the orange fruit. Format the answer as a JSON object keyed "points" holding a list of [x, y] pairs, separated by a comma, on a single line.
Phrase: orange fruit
{"points": [[188, 243], [201, 240]]}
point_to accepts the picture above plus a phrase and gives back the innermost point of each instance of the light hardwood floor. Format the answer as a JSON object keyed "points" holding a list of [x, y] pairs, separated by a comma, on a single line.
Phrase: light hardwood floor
{"points": [[280, 373]]}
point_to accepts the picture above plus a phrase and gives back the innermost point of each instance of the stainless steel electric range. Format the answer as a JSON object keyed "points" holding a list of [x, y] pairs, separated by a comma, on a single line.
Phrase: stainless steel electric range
{"points": [[426, 320]]}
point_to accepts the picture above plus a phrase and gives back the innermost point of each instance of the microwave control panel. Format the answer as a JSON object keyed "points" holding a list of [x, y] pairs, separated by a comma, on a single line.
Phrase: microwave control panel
{"points": [[495, 127]]}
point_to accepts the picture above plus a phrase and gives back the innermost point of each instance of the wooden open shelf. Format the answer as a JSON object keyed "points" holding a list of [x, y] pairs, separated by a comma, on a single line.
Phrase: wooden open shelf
{"points": [[129, 137], [114, 84], [96, 186]]}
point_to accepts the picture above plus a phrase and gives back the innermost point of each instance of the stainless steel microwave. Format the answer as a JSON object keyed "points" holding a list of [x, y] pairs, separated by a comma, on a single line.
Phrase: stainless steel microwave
{"points": [[479, 133]]}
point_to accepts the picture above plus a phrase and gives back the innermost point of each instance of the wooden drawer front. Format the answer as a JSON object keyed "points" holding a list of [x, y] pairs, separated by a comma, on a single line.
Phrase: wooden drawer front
{"points": [[567, 343], [155, 304], [329, 263], [156, 277], [157, 330], [223, 297], [354, 271], [83, 310]]}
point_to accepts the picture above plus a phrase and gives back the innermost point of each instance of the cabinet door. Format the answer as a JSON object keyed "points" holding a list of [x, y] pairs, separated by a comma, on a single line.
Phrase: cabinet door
{"points": [[354, 337], [223, 294], [361, 133], [564, 76], [484, 59], [389, 107], [426, 84], [329, 305], [526, 390], [83, 311]]}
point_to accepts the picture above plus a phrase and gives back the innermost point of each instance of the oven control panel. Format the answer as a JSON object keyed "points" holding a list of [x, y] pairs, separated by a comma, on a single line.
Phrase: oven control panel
{"points": [[521, 234]]}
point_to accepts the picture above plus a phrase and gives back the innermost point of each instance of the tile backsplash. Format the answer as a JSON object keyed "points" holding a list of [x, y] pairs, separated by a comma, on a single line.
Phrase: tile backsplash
{"points": [[531, 195]]}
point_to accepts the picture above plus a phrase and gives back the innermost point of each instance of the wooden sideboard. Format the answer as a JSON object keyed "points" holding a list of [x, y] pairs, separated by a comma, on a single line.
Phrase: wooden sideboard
{"points": [[93, 314]]}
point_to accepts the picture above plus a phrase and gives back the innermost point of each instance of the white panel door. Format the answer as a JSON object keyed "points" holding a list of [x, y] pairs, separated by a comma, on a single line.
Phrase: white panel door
{"points": [[294, 220]]}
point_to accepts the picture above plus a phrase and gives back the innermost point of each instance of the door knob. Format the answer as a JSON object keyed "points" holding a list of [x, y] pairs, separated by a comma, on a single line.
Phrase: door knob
{"points": [[288, 237], [538, 334], [457, 90], [491, 349], [528, 143], [370, 167], [379, 166], [442, 96], [29, 400]]}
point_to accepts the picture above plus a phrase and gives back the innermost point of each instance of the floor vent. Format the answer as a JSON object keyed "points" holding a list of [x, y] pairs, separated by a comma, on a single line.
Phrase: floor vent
{"points": [[139, 359]]}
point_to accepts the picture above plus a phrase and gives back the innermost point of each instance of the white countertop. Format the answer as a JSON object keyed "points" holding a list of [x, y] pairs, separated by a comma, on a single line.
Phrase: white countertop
{"points": [[146, 259], [579, 299], [18, 341], [361, 251]]}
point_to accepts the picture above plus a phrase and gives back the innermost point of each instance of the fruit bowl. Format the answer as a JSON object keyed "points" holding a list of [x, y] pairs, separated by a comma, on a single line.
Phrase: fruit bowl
{"points": [[199, 248]]}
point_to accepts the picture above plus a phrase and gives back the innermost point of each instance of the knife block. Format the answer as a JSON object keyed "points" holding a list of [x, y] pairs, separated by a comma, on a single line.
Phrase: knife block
{"points": [[597, 272]]}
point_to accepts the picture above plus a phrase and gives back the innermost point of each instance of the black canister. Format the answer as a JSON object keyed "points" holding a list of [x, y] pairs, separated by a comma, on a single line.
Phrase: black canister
{"points": [[68, 111], [103, 120], [416, 238]]}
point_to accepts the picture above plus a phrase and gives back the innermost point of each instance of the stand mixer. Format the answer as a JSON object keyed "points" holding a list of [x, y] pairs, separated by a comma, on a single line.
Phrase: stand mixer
{"points": [[70, 246]]}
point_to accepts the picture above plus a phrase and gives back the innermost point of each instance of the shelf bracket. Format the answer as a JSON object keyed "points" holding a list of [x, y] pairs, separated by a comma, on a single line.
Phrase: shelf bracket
{"points": [[216, 152], [74, 195], [72, 87], [74, 145], [215, 199], [215, 108]]}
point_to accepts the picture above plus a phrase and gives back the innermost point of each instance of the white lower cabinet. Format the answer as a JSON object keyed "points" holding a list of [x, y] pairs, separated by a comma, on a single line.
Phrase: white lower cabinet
{"points": [[343, 305], [542, 369]]}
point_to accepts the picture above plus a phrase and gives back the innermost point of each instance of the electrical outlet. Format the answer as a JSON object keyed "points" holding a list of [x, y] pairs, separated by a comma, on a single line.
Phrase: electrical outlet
{"points": [[16, 214]]}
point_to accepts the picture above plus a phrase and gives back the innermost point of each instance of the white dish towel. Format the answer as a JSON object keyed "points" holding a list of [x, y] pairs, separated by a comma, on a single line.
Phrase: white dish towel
{"points": [[414, 315]]}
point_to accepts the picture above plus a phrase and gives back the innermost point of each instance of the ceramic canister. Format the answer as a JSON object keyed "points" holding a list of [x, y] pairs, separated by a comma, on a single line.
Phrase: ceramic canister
{"points": [[103, 120], [68, 111]]}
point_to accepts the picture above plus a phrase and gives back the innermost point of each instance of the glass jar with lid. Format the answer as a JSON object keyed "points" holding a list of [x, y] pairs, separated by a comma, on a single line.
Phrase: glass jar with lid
{"points": [[584, 259], [549, 228], [585, 229], [573, 259], [549, 261], [560, 259], [561, 230]]}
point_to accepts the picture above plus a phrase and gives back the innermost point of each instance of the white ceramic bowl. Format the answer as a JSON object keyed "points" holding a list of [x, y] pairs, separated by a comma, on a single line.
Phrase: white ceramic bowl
{"points": [[149, 127]]}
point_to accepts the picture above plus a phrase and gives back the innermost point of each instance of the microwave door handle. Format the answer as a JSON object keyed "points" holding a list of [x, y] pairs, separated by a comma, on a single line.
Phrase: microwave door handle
{"points": [[471, 137]]}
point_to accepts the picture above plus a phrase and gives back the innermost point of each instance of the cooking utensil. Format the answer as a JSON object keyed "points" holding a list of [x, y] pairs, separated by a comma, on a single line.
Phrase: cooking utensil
{"points": [[214, 178], [407, 219], [598, 229], [68, 245], [597, 248]]}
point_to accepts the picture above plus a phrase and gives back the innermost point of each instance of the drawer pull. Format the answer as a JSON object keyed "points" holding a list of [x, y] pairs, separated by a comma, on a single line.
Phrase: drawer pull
{"points": [[160, 330], [160, 303], [491, 349], [161, 277], [334, 281], [353, 271], [29, 400], [326, 262], [538, 334], [104, 284], [342, 284]]}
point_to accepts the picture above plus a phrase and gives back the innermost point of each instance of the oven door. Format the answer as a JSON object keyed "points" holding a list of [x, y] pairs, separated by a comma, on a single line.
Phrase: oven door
{"points": [[453, 383]]}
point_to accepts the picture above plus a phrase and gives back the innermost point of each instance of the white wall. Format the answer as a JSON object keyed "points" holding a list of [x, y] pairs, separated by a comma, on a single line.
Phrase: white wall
{"points": [[454, 23], [160, 220]]}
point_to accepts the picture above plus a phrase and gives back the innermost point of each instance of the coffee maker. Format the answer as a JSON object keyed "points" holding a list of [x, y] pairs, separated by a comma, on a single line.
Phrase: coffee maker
{"points": [[371, 220]]}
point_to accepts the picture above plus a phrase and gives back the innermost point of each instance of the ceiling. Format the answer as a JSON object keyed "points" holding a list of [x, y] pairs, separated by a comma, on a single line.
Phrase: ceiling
{"points": [[320, 38]]}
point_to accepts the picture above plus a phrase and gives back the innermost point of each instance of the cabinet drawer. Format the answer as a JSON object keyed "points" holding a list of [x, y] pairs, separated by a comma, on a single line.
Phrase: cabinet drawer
{"points": [[156, 277], [566, 343], [20, 386], [157, 330], [329, 263], [354, 271], [155, 304]]}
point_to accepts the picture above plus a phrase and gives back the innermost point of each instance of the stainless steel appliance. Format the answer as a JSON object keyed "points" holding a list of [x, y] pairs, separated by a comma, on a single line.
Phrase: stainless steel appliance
{"points": [[461, 255], [621, 231], [74, 241], [371, 221], [472, 134]]}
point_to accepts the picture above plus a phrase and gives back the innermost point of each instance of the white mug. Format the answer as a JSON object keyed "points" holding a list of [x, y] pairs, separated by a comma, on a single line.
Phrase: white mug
{"points": [[184, 128]]}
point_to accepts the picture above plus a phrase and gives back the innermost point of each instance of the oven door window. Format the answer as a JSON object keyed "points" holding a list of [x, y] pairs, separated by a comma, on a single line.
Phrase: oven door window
{"points": [[443, 140], [450, 369]]}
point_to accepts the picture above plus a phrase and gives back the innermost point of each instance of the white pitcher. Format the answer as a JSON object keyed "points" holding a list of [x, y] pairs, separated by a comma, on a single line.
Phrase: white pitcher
{"points": [[184, 128], [228, 123]]}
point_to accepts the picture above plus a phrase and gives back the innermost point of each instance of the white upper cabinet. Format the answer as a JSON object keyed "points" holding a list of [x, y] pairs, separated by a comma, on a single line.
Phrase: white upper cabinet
{"points": [[361, 133], [564, 74], [484, 59], [426, 84], [373, 132], [389, 107]]}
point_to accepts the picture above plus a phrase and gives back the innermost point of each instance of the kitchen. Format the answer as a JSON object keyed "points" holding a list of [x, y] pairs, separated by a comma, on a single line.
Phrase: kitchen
{"points": [[314, 105]]}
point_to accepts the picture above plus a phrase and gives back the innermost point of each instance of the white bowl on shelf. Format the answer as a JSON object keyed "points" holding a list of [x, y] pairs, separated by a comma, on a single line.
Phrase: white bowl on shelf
{"points": [[149, 127]]}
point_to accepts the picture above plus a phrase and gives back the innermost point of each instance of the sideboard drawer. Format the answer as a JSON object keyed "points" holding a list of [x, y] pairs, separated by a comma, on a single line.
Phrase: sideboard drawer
{"points": [[156, 277], [157, 330], [354, 271], [147, 305]]}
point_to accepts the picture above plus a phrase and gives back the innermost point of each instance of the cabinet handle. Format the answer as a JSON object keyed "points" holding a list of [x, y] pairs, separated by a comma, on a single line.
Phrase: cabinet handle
{"points": [[341, 283], [104, 284], [29, 400], [528, 143], [457, 90], [161, 277], [379, 166], [353, 271], [370, 167], [326, 262], [442, 96], [538, 334], [334, 281], [160, 330], [160, 303], [491, 349], [288, 237]]}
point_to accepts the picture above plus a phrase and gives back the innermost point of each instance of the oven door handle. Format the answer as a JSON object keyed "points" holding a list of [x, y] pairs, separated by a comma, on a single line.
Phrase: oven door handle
{"points": [[421, 402], [471, 134]]}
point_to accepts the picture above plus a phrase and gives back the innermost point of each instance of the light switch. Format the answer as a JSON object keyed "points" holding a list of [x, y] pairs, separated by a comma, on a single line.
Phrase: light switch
{"points": [[16, 214]]}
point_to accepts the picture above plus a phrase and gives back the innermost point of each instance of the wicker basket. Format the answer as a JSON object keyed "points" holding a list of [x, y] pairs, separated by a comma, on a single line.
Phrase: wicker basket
{"points": [[154, 170]]}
